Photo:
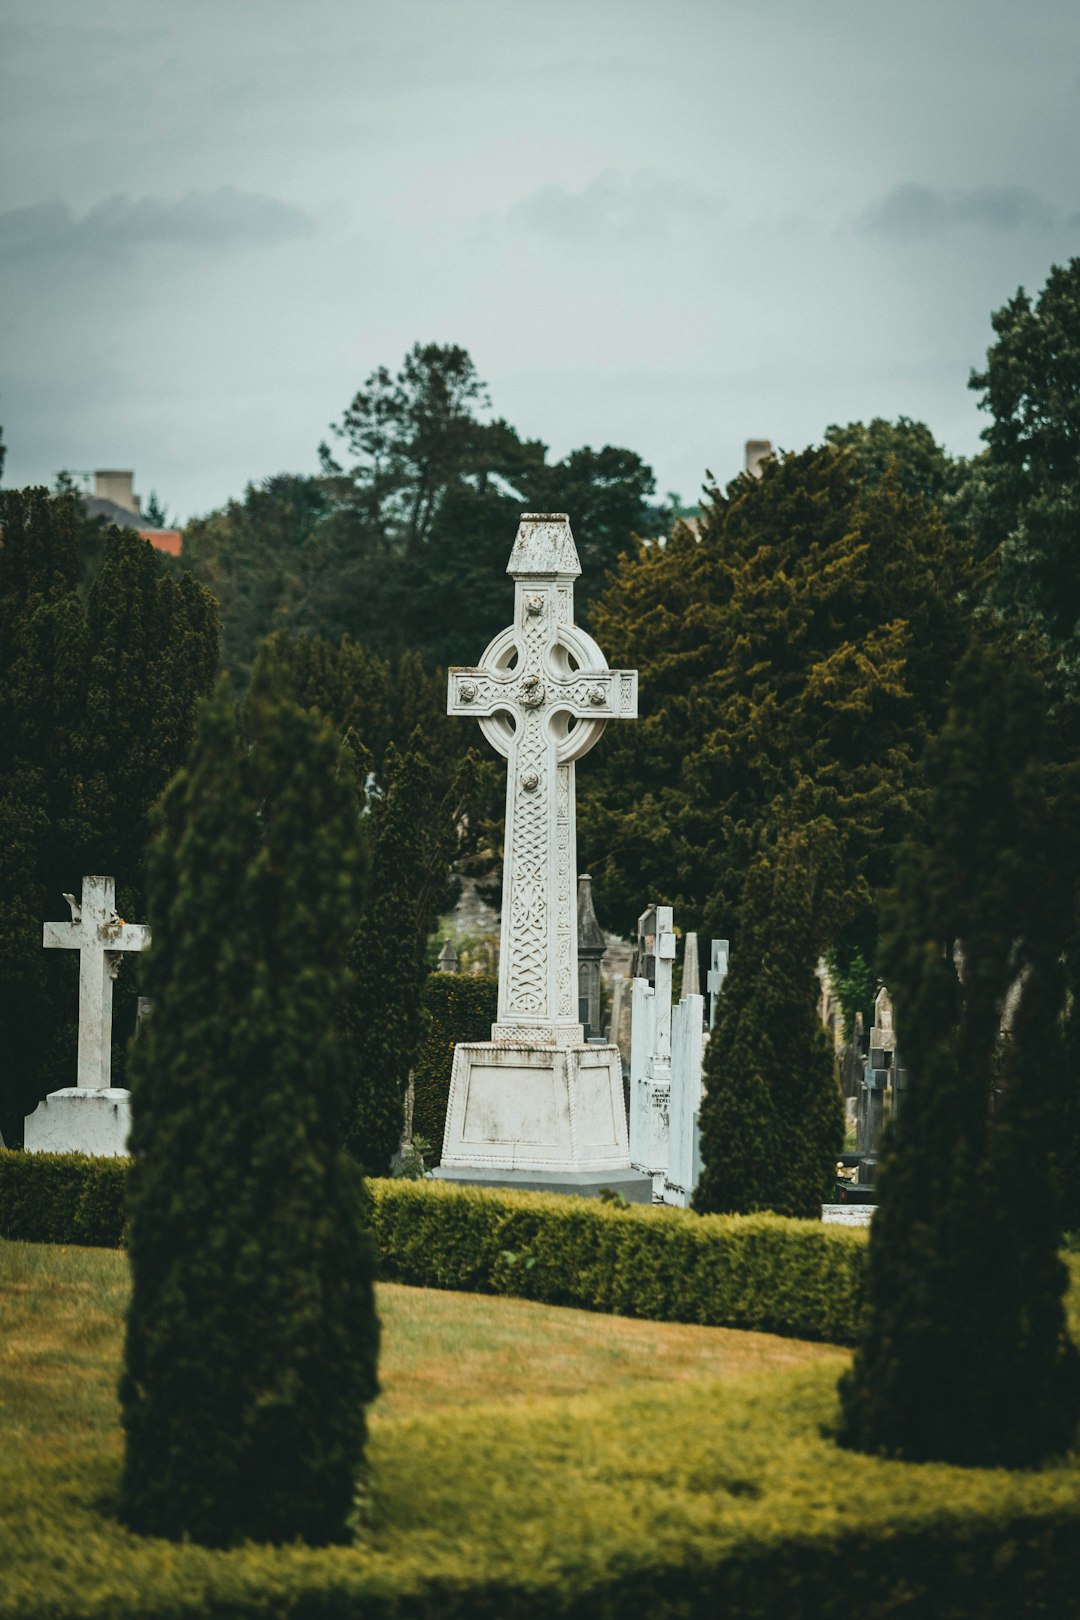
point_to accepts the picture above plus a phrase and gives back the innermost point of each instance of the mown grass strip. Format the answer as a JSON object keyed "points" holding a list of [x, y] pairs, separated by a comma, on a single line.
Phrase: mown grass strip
{"points": [[691, 1497]]}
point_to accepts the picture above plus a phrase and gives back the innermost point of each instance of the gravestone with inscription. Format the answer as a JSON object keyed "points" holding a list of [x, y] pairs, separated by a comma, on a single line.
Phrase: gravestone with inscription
{"points": [[537, 1105], [92, 1116]]}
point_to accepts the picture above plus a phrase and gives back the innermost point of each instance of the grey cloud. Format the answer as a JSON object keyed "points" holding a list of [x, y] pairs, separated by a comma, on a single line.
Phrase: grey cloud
{"points": [[909, 212], [613, 205], [208, 220]]}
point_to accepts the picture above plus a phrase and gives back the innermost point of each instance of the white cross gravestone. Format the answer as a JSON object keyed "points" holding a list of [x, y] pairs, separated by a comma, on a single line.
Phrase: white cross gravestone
{"points": [[537, 1104], [91, 1116]]}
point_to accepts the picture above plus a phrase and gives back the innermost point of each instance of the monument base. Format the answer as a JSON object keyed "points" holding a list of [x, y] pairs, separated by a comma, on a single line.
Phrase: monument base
{"points": [[76, 1120], [549, 1113], [629, 1184], [847, 1214]]}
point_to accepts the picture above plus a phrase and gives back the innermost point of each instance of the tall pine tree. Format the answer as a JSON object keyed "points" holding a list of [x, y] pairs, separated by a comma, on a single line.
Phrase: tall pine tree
{"points": [[252, 1336]]}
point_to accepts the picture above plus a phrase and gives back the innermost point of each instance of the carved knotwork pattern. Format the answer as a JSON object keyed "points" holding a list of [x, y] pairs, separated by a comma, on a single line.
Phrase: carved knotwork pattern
{"points": [[528, 967]]}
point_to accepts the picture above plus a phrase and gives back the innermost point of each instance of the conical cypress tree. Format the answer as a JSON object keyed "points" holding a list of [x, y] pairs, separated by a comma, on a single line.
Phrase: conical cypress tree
{"points": [[964, 1355], [772, 1119], [252, 1336]]}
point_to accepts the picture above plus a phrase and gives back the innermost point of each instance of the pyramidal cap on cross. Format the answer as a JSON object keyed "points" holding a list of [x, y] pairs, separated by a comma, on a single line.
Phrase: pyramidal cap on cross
{"points": [[543, 694]]}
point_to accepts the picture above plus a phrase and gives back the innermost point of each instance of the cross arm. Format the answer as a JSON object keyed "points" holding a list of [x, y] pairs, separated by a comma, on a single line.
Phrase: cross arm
{"points": [[126, 936], [475, 692], [603, 694]]}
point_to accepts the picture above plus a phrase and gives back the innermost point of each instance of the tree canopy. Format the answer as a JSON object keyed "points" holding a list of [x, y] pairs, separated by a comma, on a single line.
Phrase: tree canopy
{"points": [[1027, 500], [798, 644], [401, 541]]}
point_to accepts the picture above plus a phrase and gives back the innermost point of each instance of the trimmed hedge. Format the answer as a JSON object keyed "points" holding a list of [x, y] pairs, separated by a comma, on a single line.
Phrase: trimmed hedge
{"points": [[63, 1198], [797, 1278], [456, 1007]]}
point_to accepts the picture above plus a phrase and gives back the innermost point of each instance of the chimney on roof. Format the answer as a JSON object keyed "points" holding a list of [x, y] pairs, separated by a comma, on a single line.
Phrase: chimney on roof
{"points": [[118, 487], [757, 451]]}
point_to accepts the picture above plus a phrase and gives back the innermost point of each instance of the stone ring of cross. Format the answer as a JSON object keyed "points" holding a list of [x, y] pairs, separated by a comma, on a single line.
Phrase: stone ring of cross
{"points": [[569, 685]]}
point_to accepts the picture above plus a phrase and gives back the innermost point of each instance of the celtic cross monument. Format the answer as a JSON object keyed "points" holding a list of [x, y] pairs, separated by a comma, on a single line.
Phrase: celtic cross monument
{"points": [[537, 1102]]}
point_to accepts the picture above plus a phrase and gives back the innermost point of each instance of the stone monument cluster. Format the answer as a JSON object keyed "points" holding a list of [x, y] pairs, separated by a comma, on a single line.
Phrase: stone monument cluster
{"points": [[667, 1049], [542, 1103]]}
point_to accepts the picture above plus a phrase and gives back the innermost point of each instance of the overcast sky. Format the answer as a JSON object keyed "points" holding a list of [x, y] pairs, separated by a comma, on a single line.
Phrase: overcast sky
{"points": [[667, 224]]}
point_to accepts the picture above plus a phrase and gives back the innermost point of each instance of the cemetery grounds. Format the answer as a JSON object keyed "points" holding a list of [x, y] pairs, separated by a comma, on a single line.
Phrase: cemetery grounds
{"points": [[522, 1458]]}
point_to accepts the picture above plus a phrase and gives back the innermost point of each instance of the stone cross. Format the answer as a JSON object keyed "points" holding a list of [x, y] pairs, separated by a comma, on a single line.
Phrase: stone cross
{"points": [[543, 694], [99, 936]]}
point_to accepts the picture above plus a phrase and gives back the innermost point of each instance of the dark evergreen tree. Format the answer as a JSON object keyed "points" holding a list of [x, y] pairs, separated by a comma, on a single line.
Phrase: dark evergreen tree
{"points": [[412, 838], [805, 632], [772, 1118], [1027, 500], [97, 694], [964, 1355], [906, 449], [260, 556], [252, 1336]]}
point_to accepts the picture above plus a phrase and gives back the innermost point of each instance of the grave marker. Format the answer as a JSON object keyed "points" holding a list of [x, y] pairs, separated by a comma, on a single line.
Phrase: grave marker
{"points": [[650, 1045], [537, 1103], [91, 1116]]}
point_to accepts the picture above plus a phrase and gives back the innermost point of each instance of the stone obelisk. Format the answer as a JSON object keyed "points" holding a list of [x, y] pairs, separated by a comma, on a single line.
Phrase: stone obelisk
{"points": [[537, 1105]]}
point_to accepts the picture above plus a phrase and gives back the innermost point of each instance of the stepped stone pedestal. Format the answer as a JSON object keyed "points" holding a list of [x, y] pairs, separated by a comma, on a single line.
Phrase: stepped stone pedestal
{"points": [[538, 1105]]}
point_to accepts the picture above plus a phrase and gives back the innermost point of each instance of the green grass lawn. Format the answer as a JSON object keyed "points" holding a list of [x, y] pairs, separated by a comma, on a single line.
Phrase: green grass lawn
{"points": [[518, 1453]]}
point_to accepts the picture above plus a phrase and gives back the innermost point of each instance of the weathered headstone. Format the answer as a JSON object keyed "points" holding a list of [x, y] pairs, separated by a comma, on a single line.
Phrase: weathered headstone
{"points": [[714, 983], [876, 1084], [591, 949], [691, 972], [687, 1053], [537, 1104], [619, 1029], [650, 1046], [91, 1116], [448, 958]]}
